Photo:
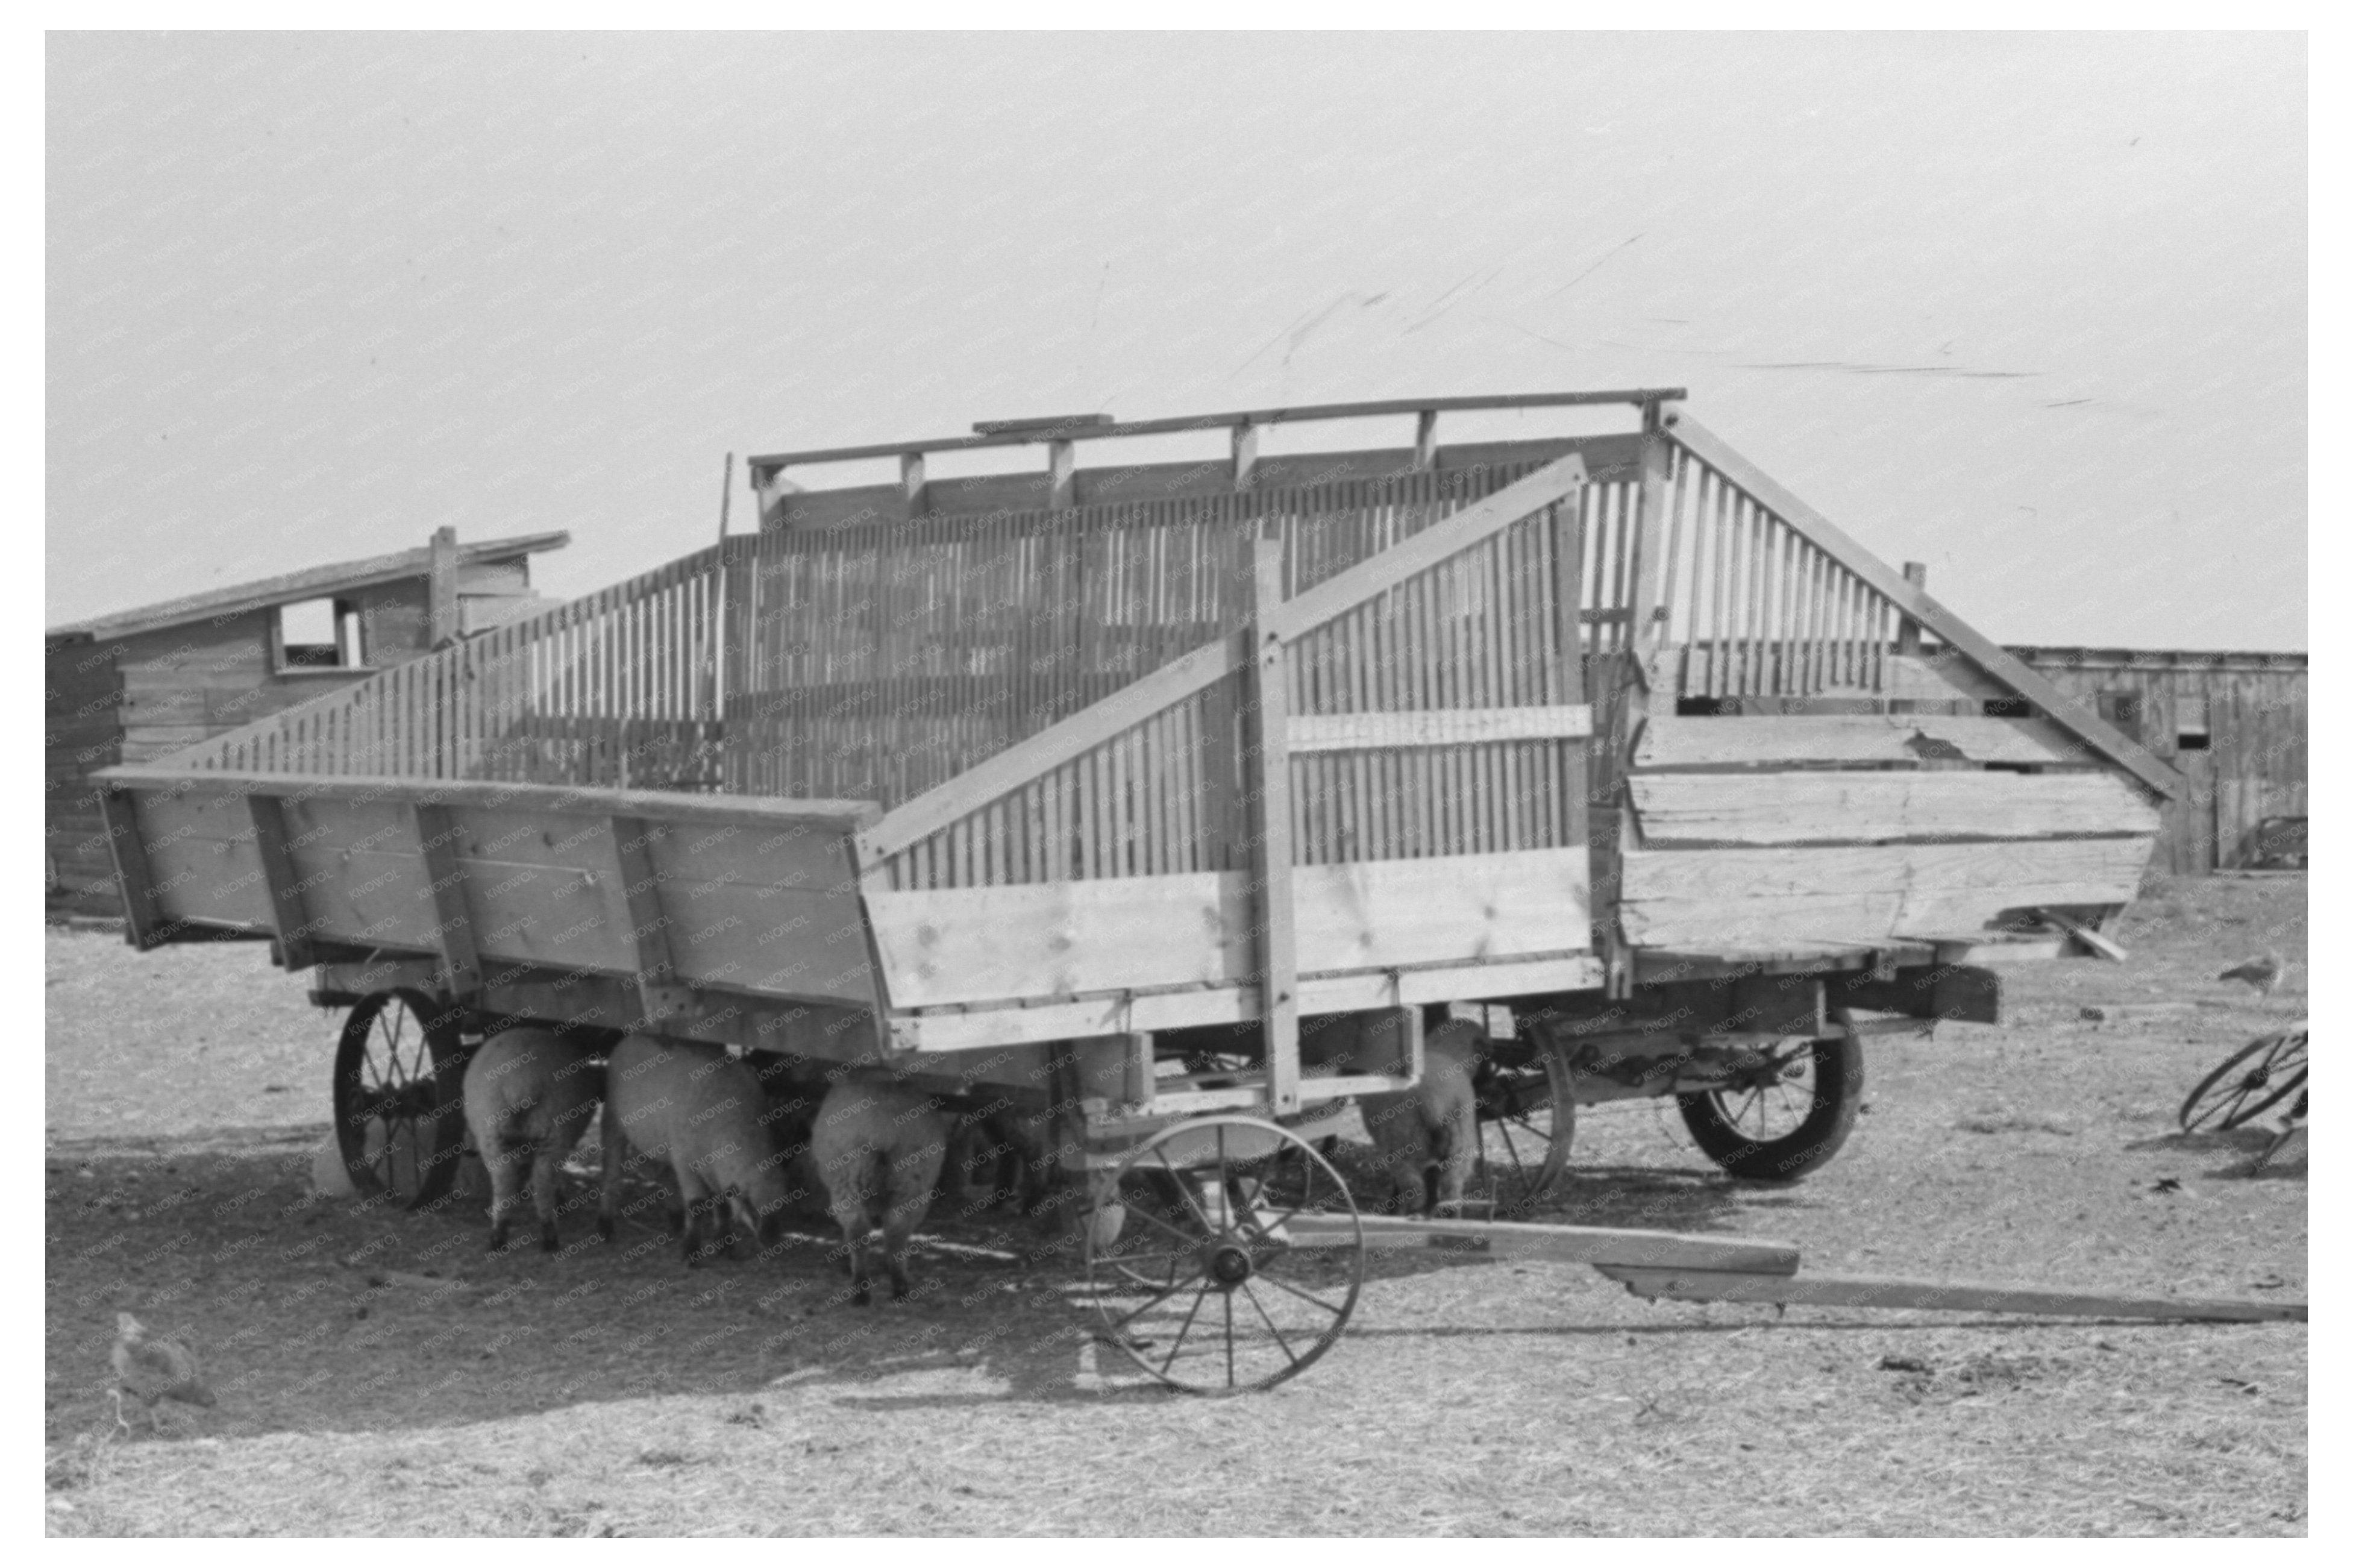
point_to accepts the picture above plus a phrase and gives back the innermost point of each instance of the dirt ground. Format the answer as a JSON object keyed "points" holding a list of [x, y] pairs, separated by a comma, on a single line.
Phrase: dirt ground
{"points": [[379, 1373]]}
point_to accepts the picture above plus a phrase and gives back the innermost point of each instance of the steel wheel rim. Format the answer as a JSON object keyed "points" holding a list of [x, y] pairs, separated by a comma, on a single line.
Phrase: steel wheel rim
{"points": [[1225, 1304], [2222, 1101], [392, 1078], [1522, 1146]]}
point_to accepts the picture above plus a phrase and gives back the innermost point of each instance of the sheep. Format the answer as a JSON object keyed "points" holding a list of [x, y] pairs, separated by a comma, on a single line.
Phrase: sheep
{"points": [[1426, 1138], [529, 1093], [878, 1146], [691, 1104]]}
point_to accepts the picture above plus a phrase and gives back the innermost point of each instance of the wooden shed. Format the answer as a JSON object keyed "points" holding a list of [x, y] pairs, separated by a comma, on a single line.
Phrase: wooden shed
{"points": [[143, 684], [2233, 724]]}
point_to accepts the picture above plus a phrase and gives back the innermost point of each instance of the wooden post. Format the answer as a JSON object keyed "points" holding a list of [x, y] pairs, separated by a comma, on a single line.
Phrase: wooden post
{"points": [[453, 929], [1646, 613], [1907, 635], [1245, 445], [140, 914], [1061, 474], [912, 483], [636, 902], [441, 627], [1425, 440], [1270, 823], [1907, 630], [284, 882]]}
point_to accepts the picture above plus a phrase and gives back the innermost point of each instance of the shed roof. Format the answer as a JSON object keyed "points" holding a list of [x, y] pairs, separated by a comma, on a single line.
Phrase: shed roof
{"points": [[314, 582]]}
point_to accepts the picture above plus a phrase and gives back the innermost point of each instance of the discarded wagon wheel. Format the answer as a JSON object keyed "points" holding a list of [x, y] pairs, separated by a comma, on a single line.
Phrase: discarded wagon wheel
{"points": [[399, 1116], [2251, 1080], [1222, 1298], [1786, 1120], [1526, 1121]]}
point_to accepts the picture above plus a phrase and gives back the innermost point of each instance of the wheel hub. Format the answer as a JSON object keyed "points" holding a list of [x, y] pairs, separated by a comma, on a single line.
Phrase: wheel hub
{"points": [[1229, 1266]]}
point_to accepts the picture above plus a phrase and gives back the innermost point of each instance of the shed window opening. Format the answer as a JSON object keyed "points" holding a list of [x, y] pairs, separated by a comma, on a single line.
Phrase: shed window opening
{"points": [[319, 634], [2189, 732]]}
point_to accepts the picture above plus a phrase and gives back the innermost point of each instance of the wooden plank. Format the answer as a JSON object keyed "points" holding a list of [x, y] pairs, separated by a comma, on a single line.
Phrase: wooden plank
{"points": [[282, 879], [142, 915], [1438, 726], [444, 883], [766, 465], [442, 588], [634, 900], [560, 800], [978, 1028], [1090, 726], [1603, 1246], [1679, 810], [1858, 895], [1988, 655], [1647, 606], [1693, 1284], [1063, 938], [2099, 946], [1268, 758], [1799, 739]]}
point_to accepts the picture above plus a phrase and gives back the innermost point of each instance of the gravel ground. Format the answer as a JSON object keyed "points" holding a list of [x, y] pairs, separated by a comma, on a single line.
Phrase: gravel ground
{"points": [[379, 1373]]}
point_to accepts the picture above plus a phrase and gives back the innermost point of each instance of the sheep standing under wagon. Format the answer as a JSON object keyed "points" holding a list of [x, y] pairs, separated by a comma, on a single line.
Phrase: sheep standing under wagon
{"points": [[1425, 1138], [529, 1093], [878, 1146], [701, 1110]]}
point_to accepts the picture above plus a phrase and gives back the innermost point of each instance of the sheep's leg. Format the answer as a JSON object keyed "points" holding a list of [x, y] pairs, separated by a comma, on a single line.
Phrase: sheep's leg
{"points": [[849, 1212], [546, 1173], [897, 1224], [692, 1201], [1461, 1155], [613, 1167], [506, 1171]]}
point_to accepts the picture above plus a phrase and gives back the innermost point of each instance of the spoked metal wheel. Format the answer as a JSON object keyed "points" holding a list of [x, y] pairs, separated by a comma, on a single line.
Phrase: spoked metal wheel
{"points": [[1237, 1262], [1786, 1117], [2257, 1077], [1526, 1121], [399, 1116]]}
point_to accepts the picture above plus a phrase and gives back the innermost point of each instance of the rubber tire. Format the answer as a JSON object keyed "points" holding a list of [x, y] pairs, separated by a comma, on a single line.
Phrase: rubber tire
{"points": [[1838, 1095]]}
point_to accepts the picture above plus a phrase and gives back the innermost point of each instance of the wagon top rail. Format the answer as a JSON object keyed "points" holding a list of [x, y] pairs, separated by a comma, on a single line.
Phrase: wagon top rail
{"points": [[1062, 429]]}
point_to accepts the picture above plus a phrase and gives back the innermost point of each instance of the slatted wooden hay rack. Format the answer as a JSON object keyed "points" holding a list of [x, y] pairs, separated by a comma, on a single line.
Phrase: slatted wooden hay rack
{"points": [[1026, 780]]}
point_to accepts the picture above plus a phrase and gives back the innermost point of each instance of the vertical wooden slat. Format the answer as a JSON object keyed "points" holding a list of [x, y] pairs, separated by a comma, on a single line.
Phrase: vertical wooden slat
{"points": [[282, 881], [453, 927], [1272, 859]]}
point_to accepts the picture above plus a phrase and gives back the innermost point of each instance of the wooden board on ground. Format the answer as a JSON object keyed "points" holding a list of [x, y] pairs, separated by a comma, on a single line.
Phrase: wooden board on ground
{"points": [[1938, 1296]]}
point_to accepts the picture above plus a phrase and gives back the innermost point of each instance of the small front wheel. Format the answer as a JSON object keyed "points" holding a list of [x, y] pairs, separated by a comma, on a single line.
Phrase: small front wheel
{"points": [[1786, 1121], [1235, 1262]]}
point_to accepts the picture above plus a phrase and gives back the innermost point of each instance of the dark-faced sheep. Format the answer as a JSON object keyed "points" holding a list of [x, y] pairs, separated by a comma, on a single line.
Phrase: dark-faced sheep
{"points": [[529, 1093], [878, 1146], [692, 1105]]}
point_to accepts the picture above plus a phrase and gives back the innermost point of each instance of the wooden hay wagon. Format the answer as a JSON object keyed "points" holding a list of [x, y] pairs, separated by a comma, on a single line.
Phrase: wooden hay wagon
{"points": [[1092, 787]]}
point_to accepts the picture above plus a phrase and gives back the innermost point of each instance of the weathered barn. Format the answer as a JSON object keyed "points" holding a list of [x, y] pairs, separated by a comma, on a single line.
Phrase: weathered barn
{"points": [[142, 683], [2232, 724]]}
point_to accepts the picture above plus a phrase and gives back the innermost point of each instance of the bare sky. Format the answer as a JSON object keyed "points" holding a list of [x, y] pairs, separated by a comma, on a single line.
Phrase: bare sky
{"points": [[2029, 307]]}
